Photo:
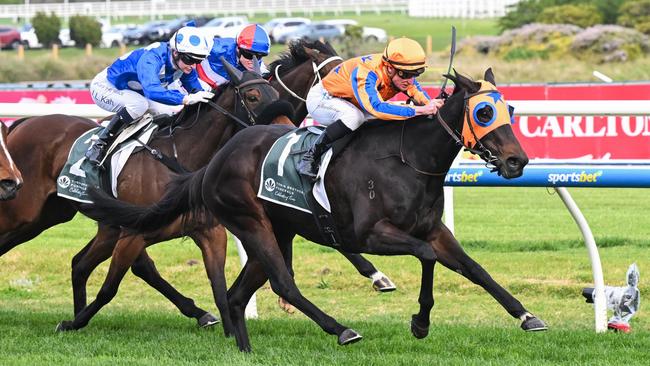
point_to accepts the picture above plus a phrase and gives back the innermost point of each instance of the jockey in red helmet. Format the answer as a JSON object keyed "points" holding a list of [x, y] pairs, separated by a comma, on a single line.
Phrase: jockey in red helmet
{"points": [[251, 41]]}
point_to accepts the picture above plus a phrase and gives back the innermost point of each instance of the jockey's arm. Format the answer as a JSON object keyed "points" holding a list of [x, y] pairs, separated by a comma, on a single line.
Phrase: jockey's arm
{"points": [[191, 82], [148, 68], [419, 95], [364, 85]]}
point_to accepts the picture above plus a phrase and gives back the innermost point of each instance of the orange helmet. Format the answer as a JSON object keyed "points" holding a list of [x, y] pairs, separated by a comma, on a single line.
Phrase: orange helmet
{"points": [[405, 54]]}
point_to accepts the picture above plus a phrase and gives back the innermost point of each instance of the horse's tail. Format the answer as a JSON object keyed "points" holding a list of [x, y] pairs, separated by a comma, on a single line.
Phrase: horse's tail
{"points": [[182, 196]]}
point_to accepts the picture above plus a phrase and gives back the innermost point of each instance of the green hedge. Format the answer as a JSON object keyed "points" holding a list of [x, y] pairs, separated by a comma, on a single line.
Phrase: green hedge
{"points": [[84, 30]]}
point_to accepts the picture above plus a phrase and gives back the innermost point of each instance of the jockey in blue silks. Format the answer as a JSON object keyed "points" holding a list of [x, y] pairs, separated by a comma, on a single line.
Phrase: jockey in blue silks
{"points": [[138, 82], [251, 41]]}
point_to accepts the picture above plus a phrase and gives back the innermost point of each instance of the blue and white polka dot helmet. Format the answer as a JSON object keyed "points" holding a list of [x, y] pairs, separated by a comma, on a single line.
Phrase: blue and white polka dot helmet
{"points": [[192, 41]]}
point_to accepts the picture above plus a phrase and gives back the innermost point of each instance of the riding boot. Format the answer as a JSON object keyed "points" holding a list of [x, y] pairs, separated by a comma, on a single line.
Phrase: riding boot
{"points": [[97, 151], [309, 163]]}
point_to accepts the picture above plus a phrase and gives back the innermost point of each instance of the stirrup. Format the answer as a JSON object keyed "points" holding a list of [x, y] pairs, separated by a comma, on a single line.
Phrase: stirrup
{"points": [[96, 152], [306, 169]]}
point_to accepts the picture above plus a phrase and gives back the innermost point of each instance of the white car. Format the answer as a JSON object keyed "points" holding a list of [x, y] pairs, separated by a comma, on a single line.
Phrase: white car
{"points": [[279, 28], [30, 40], [369, 33], [113, 36], [225, 27]]}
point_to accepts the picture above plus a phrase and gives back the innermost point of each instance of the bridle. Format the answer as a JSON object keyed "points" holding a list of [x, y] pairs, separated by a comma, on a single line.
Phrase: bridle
{"points": [[251, 114], [478, 148], [317, 76]]}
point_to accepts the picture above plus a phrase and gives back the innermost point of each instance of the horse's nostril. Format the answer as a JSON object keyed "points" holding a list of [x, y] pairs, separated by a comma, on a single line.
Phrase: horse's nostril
{"points": [[513, 163], [8, 184]]}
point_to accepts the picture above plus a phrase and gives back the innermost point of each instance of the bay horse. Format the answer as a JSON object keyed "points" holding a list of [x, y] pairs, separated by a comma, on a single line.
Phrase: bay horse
{"points": [[10, 177], [292, 75], [404, 165], [40, 145]]}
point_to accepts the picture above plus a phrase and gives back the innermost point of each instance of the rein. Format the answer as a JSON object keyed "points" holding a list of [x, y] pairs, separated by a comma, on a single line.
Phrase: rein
{"points": [[406, 162], [481, 151], [316, 75]]}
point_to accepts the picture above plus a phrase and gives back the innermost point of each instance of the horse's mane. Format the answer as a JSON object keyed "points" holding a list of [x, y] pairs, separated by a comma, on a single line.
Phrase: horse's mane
{"points": [[296, 55]]}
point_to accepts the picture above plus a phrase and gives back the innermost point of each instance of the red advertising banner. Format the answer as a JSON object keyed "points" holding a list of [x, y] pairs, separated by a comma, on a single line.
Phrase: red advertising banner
{"points": [[555, 137]]}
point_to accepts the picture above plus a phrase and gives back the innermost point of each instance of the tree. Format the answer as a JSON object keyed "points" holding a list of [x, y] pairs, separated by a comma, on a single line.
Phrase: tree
{"points": [[582, 15], [47, 28], [84, 30]]}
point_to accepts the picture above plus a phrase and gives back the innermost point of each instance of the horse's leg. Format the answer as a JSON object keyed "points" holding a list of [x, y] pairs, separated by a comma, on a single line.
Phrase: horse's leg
{"points": [[213, 245], [386, 239], [145, 268], [288, 259], [54, 211], [250, 279], [100, 248], [452, 256], [261, 245], [125, 253], [420, 321], [84, 263], [380, 282]]}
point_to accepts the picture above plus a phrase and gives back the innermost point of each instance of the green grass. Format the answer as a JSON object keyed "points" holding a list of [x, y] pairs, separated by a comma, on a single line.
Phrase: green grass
{"points": [[523, 236]]}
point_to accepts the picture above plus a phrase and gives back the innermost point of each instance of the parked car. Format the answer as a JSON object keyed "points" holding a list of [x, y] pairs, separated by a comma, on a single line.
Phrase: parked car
{"points": [[29, 39], [112, 36], [64, 38], [313, 32], [140, 35], [166, 30], [369, 33], [9, 37], [279, 27], [225, 27]]}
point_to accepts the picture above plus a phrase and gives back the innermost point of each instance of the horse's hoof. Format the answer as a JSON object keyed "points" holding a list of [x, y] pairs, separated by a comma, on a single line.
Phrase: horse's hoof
{"points": [[533, 324], [207, 320], [418, 330], [284, 305], [383, 284], [64, 326], [349, 336]]}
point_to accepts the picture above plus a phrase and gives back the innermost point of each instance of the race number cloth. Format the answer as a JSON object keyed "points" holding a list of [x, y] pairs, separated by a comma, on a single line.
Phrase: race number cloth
{"points": [[78, 175], [280, 182]]}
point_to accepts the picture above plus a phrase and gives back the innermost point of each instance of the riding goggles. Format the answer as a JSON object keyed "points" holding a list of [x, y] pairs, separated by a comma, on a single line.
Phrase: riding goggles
{"points": [[189, 59], [409, 74], [249, 55]]}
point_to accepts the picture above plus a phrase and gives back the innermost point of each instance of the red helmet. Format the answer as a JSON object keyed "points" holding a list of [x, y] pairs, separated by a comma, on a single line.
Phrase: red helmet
{"points": [[254, 38]]}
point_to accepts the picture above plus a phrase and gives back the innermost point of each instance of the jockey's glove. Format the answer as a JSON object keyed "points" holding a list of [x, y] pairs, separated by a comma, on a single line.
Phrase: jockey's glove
{"points": [[198, 97]]}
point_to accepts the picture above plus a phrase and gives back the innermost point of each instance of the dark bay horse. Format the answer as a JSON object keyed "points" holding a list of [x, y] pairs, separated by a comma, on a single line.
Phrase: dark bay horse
{"points": [[403, 163], [10, 177], [293, 74], [40, 145]]}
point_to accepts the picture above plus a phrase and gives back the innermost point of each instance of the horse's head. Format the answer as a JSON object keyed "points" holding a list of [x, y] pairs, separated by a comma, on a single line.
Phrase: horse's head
{"points": [[257, 102], [10, 178], [298, 69], [486, 123]]}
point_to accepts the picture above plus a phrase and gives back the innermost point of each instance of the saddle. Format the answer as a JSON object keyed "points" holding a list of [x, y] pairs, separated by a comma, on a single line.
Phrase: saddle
{"points": [[281, 183], [78, 175]]}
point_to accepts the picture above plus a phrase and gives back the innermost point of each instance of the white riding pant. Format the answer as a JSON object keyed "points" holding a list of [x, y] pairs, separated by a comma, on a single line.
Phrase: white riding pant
{"points": [[111, 99], [326, 109]]}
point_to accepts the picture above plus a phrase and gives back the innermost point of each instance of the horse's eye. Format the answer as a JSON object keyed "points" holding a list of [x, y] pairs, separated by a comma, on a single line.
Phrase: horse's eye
{"points": [[252, 98], [484, 114]]}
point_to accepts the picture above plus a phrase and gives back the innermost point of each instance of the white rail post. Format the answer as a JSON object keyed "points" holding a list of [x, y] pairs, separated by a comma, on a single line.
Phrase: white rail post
{"points": [[600, 306], [251, 307]]}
